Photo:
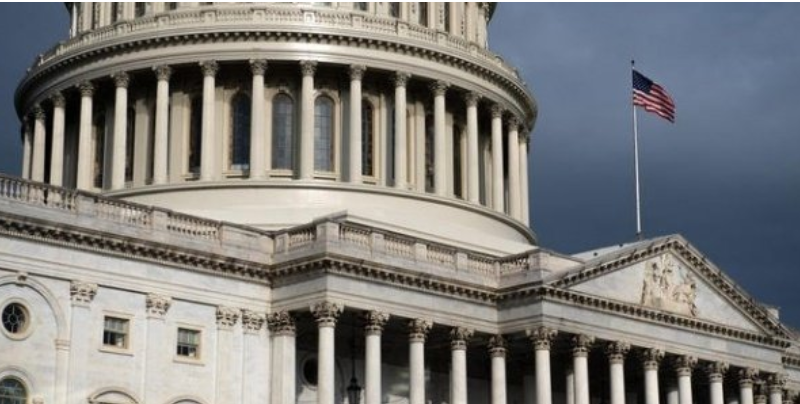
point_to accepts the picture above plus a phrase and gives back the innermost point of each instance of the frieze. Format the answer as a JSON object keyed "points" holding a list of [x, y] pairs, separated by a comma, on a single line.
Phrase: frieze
{"points": [[668, 287], [252, 321], [82, 293], [157, 305], [459, 337]]}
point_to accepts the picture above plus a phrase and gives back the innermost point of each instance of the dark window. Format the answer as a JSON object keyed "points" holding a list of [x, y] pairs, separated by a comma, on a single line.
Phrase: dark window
{"points": [[240, 132], [394, 9], [12, 391], [99, 147], [114, 12], [115, 332], [457, 162], [429, 153], [171, 6], [323, 134], [195, 134], [362, 6], [367, 140], [447, 17], [188, 343], [283, 132], [15, 318], [140, 9], [130, 134], [310, 371], [423, 14]]}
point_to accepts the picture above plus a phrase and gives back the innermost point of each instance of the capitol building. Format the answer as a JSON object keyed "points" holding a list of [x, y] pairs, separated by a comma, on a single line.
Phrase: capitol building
{"points": [[327, 203]]}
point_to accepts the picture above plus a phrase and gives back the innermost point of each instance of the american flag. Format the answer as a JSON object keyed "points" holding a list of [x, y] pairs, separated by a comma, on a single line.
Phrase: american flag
{"points": [[652, 97]]}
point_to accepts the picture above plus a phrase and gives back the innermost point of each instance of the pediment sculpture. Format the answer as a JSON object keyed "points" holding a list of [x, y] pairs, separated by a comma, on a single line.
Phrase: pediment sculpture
{"points": [[668, 288]]}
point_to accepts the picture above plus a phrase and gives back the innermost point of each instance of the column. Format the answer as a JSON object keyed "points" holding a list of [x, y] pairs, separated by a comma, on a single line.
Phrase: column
{"points": [[37, 164], [459, 336], [651, 359], [209, 69], [57, 147], [255, 385], [27, 146], [355, 155], [121, 82], [85, 155], [326, 314], [523, 178], [514, 194], [400, 131], [746, 377], [157, 307], [497, 351], [683, 366], [570, 385], [375, 321], [439, 89], [258, 148], [161, 141], [672, 395], [541, 338], [498, 189], [616, 352], [775, 385], [716, 371], [308, 68], [227, 371], [81, 294], [473, 165], [418, 332], [283, 330], [580, 355]]}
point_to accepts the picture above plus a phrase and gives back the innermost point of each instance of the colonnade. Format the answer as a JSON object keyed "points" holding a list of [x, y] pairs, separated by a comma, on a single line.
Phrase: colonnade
{"points": [[502, 184], [656, 365]]}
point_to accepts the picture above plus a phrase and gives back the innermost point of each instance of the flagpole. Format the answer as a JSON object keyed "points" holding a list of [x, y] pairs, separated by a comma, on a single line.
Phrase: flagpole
{"points": [[639, 234]]}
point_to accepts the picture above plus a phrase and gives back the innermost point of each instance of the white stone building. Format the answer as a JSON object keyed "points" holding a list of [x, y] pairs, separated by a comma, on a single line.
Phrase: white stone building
{"points": [[327, 203]]}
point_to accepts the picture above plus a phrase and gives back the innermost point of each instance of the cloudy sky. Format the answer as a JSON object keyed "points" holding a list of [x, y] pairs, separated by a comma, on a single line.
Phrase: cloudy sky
{"points": [[726, 175]]}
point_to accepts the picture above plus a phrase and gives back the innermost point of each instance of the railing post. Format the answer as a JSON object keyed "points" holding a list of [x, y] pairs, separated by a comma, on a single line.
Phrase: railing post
{"points": [[159, 221], [377, 244], [282, 243], [462, 261], [85, 205], [327, 232], [420, 252]]}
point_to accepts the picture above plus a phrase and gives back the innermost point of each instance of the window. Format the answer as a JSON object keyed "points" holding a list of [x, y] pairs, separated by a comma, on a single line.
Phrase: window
{"points": [[361, 6], [99, 147], [115, 332], [15, 318], [394, 9], [447, 16], [188, 343], [429, 153], [283, 132], [367, 140], [114, 12], [129, 139], [423, 14], [171, 6], [96, 15], [140, 9], [239, 150], [12, 391], [323, 134], [195, 134]]}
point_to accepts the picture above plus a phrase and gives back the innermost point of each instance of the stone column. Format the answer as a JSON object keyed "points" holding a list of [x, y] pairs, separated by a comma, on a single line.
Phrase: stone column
{"points": [[82, 294], [208, 130], [57, 148], [616, 352], [400, 131], [497, 351], [39, 144], [418, 332], [716, 371], [439, 89], [158, 352], [684, 366], [775, 385], [473, 165], [121, 82], [523, 178], [308, 68], [283, 331], [746, 377], [27, 147], [580, 354], [373, 329], [258, 147], [651, 358], [85, 155], [570, 382], [227, 391], [498, 188], [355, 155], [672, 395], [541, 338], [459, 337], [161, 141], [514, 185], [326, 314], [255, 385]]}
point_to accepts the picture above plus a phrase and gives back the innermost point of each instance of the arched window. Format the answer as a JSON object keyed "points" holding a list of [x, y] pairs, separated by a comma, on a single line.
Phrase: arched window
{"points": [[446, 16], [394, 9], [195, 134], [423, 14], [283, 132], [239, 151], [12, 391], [130, 133], [367, 139], [323, 134]]}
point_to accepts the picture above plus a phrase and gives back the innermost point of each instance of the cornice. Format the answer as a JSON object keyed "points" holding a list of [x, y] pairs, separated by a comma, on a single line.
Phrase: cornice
{"points": [[791, 360]]}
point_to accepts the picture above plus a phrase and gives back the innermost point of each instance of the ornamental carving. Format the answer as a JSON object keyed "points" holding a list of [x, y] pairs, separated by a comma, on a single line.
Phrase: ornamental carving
{"points": [[581, 344], [651, 358], [38, 112], [418, 329], [617, 350], [281, 323], [209, 68], [747, 376], [459, 336], [375, 321], [471, 98], [326, 313], [498, 346], [157, 305], [357, 72], [513, 124], [227, 317], [497, 111], [58, 99], [308, 67], [668, 288], [716, 371], [86, 89], [401, 79], [776, 382], [252, 321], [258, 67], [162, 72], [684, 365], [439, 88], [82, 292], [121, 79], [541, 337]]}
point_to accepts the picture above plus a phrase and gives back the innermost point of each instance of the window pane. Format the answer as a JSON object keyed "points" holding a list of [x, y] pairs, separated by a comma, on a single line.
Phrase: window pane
{"points": [[283, 132], [188, 343], [323, 134], [12, 392], [240, 140]]}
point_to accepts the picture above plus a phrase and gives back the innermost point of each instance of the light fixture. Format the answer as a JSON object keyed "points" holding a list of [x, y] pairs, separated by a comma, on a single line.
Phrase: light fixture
{"points": [[353, 390]]}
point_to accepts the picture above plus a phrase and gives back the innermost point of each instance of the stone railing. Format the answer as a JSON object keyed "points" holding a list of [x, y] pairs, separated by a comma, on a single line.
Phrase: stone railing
{"points": [[279, 18]]}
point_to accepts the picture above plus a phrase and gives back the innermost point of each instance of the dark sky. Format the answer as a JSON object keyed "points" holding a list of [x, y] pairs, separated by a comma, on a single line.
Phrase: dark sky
{"points": [[726, 175]]}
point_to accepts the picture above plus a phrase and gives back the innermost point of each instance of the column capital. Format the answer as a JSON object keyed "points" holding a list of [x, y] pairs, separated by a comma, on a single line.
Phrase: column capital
{"points": [[157, 305], [401, 79], [497, 111], [308, 67], [163, 72], [746, 377], [58, 100], [459, 336], [617, 350], [227, 317], [374, 321], [541, 337], [281, 323], [38, 112], [776, 382], [82, 293], [651, 358], [252, 321], [789, 397], [326, 313], [439, 87], [357, 72], [258, 67], [121, 79], [86, 88], [498, 346], [581, 343], [716, 371], [209, 68], [418, 329], [513, 124], [471, 98], [760, 399], [684, 365]]}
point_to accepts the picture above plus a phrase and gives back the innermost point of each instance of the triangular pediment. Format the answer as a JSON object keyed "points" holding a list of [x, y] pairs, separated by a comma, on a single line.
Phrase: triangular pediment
{"points": [[669, 275]]}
